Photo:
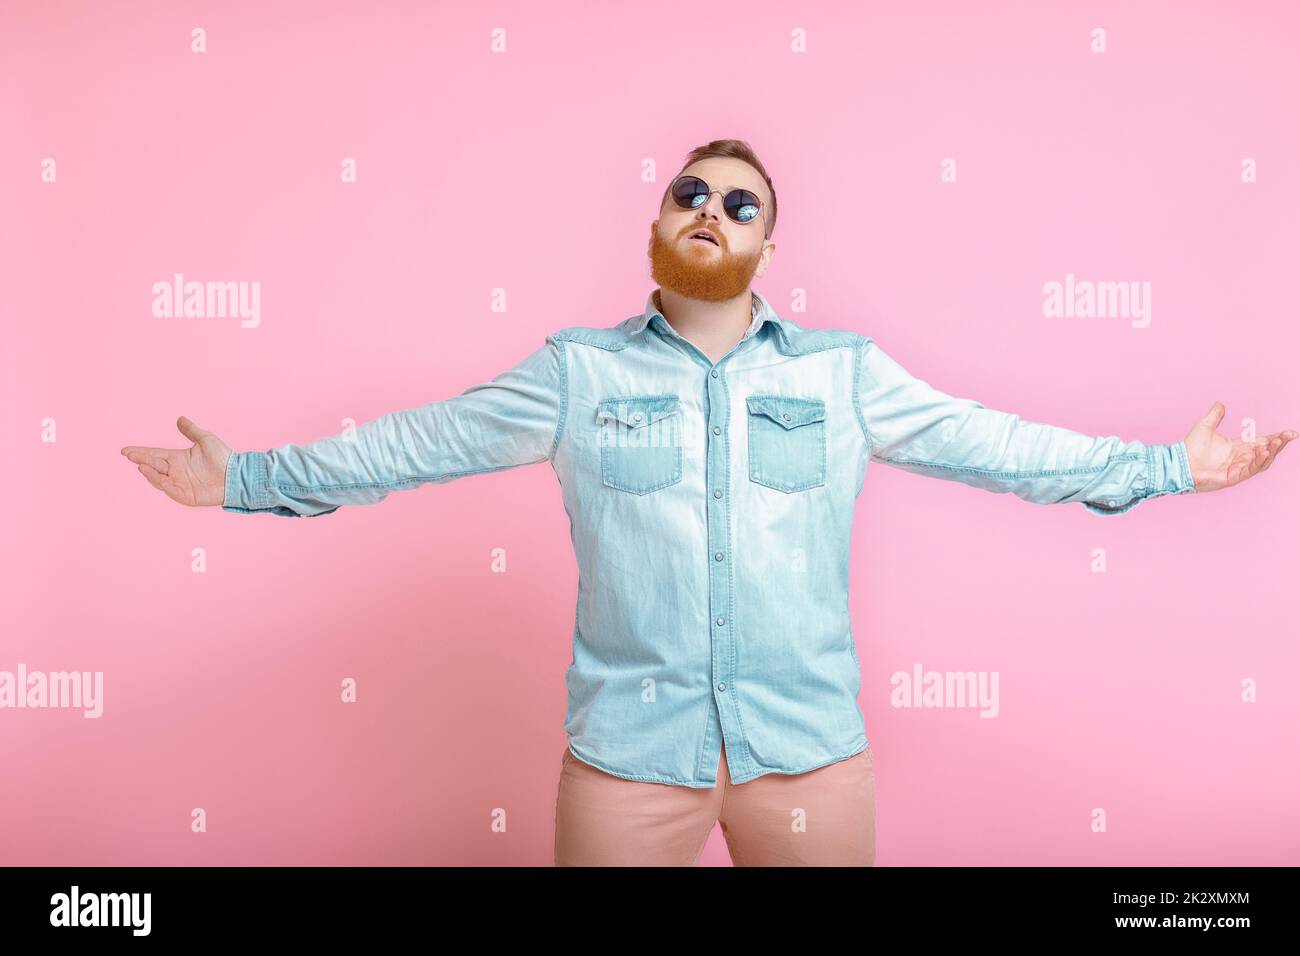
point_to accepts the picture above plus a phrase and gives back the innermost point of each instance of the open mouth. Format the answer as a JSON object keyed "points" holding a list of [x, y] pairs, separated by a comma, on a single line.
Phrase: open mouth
{"points": [[703, 236]]}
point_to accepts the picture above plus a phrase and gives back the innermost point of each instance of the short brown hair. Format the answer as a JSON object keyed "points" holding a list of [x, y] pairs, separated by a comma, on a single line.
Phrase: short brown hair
{"points": [[732, 149]]}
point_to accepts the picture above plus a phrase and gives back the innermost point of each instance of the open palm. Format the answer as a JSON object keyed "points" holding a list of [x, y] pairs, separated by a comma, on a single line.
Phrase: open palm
{"points": [[1219, 462], [193, 476]]}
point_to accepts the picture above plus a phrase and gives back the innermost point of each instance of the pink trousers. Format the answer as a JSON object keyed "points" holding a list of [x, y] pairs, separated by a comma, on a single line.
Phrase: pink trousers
{"points": [[825, 817]]}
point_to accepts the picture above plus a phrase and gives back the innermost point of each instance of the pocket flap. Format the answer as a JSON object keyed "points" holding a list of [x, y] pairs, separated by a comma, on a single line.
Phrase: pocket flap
{"points": [[786, 411], [639, 411]]}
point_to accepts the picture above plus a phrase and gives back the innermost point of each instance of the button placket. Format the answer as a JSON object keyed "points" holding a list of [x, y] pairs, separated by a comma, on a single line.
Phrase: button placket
{"points": [[719, 573]]}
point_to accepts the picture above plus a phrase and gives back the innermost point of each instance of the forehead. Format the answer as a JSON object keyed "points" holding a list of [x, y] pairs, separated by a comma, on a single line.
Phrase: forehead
{"points": [[723, 172]]}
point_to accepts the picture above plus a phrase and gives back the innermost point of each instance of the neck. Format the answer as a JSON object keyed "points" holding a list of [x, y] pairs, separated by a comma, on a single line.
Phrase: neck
{"points": [[712, 327]]}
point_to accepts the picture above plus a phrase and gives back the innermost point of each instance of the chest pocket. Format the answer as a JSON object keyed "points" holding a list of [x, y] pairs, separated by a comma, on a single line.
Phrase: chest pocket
{"points": [[640, 442], [787, 442]]}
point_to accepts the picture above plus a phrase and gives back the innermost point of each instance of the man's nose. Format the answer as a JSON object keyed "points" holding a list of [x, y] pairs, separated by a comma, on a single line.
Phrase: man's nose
{"points": [[713, 207]]}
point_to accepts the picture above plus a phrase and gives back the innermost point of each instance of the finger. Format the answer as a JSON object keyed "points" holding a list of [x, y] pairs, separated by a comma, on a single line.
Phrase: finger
{"points": [[151, 452], [153, 457], [173, 490], [1214, 416], [1244, 463], [1275, 447], [1256, 461], [152, 474], [190, 430]]}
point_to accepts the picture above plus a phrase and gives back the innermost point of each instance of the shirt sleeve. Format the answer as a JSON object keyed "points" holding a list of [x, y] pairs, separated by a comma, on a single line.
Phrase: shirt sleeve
{"points": [[915, 427], [515, 419]]}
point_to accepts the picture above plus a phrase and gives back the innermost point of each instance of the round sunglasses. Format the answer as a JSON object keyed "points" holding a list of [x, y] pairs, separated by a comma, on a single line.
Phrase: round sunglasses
{"points": [[691, 192]]}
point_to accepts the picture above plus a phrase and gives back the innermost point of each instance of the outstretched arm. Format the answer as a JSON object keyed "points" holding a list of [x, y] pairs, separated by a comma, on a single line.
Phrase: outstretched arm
{"points": [[515, 419], [915, 427]]}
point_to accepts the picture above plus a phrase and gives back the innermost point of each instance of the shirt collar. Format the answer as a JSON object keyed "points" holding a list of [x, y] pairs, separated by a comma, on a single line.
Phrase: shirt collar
{"points": [[761, 310]]}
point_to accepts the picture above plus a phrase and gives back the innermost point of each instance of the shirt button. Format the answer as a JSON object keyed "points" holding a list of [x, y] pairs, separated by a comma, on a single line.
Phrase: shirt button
{"points": [[785, 416], [721, 621], [717, 430], [636, 417], [717, 493], [717, 556], [722, 687], [714, 373]]}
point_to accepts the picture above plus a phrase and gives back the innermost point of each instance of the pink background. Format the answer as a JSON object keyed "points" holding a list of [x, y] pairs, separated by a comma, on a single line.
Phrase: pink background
{"points": [[522, 171]]}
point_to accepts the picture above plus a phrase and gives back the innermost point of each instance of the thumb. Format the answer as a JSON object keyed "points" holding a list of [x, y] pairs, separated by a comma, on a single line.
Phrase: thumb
{"points": [[190, 430], [1213, 416]]}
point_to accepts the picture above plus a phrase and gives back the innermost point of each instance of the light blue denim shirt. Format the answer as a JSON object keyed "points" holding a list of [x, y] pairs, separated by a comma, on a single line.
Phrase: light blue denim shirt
{"points": [[711, 507]]}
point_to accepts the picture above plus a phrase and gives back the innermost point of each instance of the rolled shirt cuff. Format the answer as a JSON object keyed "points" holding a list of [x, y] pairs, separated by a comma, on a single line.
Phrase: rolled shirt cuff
{"points": [[247, 482], [1168, 470]]}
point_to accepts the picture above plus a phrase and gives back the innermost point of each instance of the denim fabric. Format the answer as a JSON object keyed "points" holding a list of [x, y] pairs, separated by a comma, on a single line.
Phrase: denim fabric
{"points": [[711, 507]]}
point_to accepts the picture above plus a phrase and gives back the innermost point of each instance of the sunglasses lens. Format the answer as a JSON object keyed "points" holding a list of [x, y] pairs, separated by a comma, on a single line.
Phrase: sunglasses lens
{"points": [[741, 205], [689, 192]]}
